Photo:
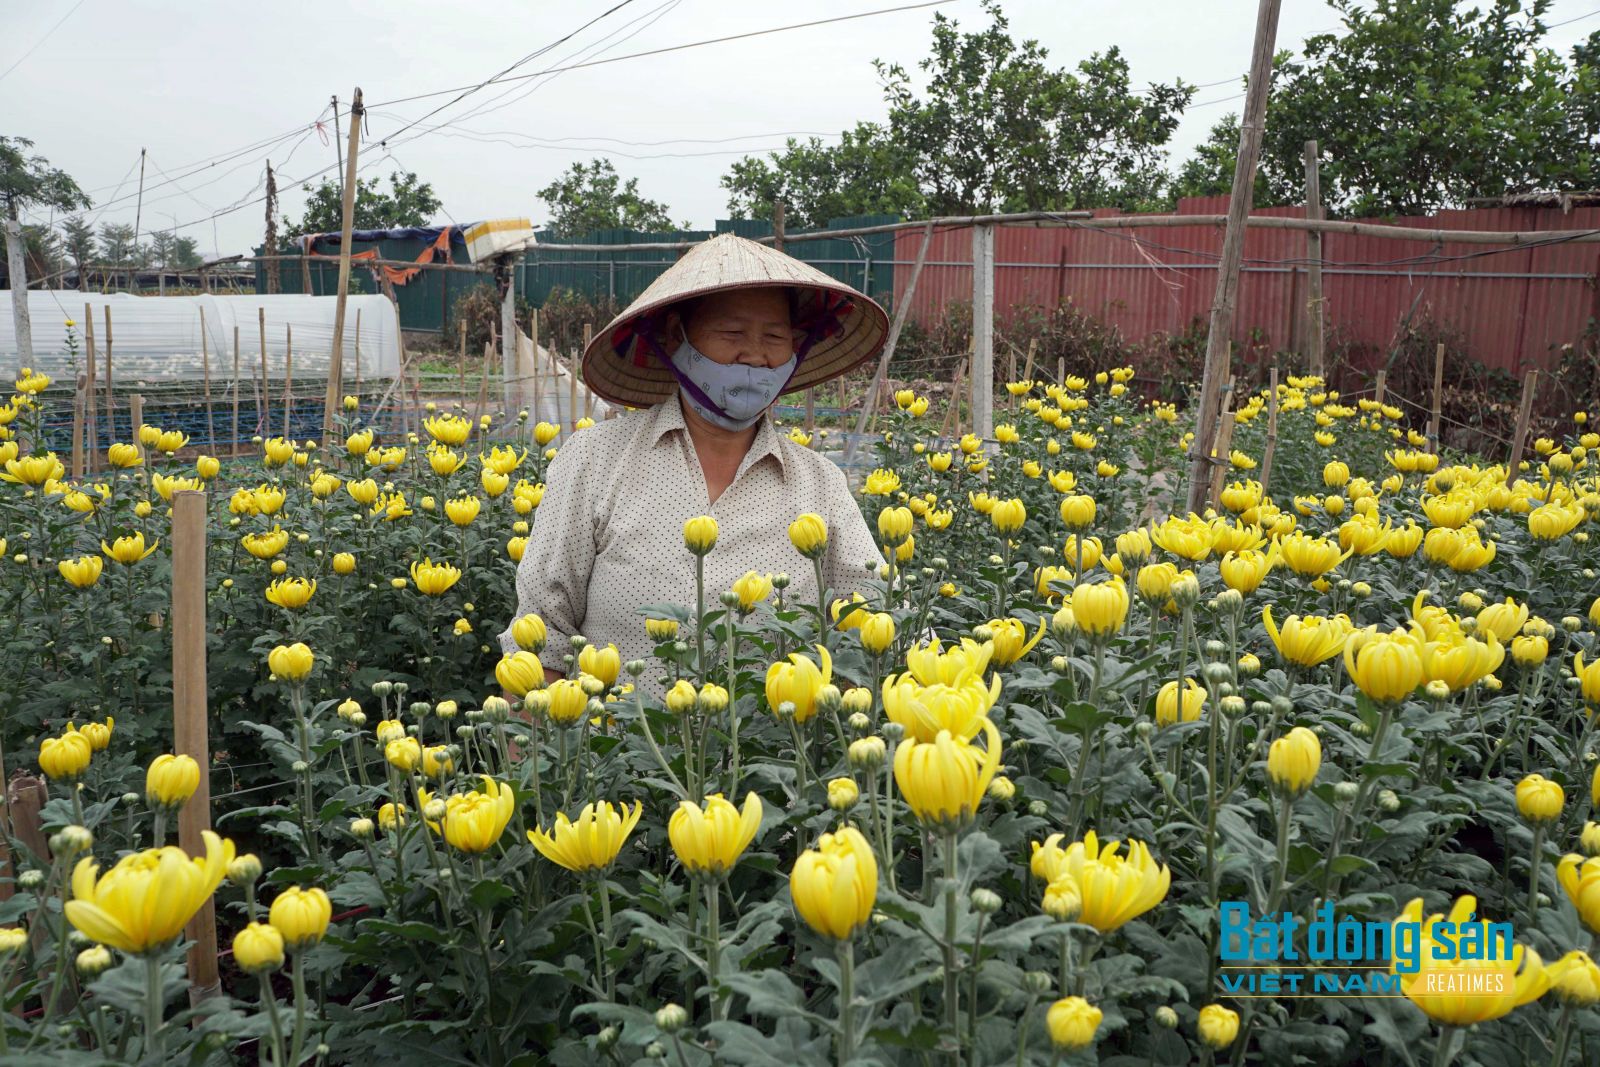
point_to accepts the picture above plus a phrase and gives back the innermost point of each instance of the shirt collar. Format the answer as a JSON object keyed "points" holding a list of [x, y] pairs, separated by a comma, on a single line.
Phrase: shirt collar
{"points": [[669, 417]]}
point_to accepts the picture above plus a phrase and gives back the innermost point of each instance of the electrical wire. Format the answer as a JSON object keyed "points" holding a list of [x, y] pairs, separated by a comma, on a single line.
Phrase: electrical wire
{"points": [[687, 45], [42, 40]]}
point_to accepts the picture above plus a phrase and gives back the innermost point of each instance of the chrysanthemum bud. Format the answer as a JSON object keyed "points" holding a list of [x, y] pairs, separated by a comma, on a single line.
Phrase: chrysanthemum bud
{"points": [[244, 869], [1388, 801], [671, 1018], [1166, 1018], [361, 829], [1345, 792], [95, 961], [985, 901]]}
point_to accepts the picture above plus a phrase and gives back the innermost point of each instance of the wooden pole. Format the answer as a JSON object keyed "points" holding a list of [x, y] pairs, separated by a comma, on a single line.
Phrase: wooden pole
{"points": [[205, 372], [1272, 434], [510, 380], [1519, 437], [111, 411], [577, 368], [1438, 396], [1223, 445], [136, 418], [265, 405], [461, 383], [535, 365], [1315, 322], [952, 419], [901, 310], [358, 352], [333, 397], [234, 450], [77, 428], [1380, 388], [1027, 370], [983, 331], [1218, 340], [483, 384], [288, 379], [92, 405], [189, 700], [1061, 370]]}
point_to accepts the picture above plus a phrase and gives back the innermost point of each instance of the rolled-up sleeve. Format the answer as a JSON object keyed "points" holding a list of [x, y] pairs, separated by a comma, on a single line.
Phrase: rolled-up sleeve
{"points": [[851, 545], [553, 577]]}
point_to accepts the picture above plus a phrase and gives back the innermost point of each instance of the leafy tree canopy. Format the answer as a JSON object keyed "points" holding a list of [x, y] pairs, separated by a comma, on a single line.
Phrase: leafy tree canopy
{"points": [[409, 202], [592, 196], [30, 181], [998, 129], [1422, 104]]}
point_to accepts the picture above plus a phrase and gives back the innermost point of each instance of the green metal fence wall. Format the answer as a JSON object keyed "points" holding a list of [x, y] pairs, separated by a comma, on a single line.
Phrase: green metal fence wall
{"points": [[425, 303]]}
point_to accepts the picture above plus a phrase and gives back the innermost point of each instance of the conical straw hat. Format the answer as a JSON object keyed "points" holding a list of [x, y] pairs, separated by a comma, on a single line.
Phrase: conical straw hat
{"points": [[844, 328]]}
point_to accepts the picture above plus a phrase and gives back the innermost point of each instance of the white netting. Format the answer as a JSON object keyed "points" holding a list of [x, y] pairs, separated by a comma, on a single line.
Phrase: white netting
{"points": [[157, 338]]}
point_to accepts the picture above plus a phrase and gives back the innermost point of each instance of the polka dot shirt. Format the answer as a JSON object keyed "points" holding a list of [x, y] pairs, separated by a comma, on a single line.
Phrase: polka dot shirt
{"points": [[607, 538]]}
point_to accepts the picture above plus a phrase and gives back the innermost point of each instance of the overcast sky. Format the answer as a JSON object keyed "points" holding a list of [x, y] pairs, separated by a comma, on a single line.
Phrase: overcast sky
{"points": [[91, 82]]}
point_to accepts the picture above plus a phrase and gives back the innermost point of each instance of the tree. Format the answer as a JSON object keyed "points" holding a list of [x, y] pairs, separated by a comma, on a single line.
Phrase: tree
{"points": [[1209, 172], [78, 243], [1422, 104], [998, 129], [865, 174], [592, 197], [409, 202], [116, 244], [186, 254], [28, 181], [43, 249], [158, 253]]}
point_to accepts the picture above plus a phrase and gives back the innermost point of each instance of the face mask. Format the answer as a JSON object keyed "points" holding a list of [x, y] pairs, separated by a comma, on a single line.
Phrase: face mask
{"points": [[730, 395]]}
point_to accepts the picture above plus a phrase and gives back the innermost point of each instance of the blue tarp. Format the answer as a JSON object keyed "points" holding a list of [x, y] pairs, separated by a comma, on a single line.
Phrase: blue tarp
{"points": [[320, 241]]}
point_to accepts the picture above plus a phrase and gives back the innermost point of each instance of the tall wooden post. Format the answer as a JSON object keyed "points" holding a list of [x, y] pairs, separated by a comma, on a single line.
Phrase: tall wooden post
{"points": [[91, 404], [234, 437], [288, 380], [1272, 435], [902, 308], [205, 373], [510, 382], [1519, 436], [357, 351], [535, 366], [111, 411], [77, 428], [461, 384], [1438, 397], [1380, 388], [577, 369], [335, 390], [1315, 321], [136, 418], [266, 391], [983, 330], [1218, 341], [189, 715], [1223, 446]]}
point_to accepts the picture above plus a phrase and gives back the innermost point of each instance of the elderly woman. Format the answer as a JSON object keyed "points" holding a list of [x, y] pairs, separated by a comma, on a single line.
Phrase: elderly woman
{"points": [[702, 355]]}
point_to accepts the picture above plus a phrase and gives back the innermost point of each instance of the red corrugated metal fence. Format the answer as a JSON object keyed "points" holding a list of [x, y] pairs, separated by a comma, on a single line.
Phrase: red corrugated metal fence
{"points": [[1513, 307]]}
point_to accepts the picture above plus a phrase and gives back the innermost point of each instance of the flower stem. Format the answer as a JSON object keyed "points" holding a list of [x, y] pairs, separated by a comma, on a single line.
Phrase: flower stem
{"points": [[1444, 1052], [847, 1007], [1563, 1037], [952, 992], [714, 944], [297, 972], [155, 1005], [1535, 859], [270, 1004]]}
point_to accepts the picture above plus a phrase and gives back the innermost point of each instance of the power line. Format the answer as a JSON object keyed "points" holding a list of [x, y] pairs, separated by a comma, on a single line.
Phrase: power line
{"points": [[42, 40], [1577, 18], [465, 92], [683, 47]]}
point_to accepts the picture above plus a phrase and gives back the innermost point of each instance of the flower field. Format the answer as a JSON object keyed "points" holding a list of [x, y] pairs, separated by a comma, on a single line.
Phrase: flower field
{"points": [[1005, 803]]}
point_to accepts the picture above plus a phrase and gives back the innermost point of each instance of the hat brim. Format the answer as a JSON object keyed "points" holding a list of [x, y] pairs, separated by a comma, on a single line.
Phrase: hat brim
{"points": [[637, 378]]}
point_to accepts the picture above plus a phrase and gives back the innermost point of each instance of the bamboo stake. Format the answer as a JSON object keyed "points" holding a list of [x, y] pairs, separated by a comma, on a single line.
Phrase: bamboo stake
{"points": [[357, 348], [952, 418], [1381, 386], [461, 383], [1519, 437], [205, 371], [572, 394], [1027, 369], [1219, 336], [77, 429], [136, 417], [92, 405], [1272, 434], [264, 401], [234, 449], [483, 383], [331, 398], [111, 411], [189, 699], [577, 368], [288, 379], [1224, 443], [534, 366], [1315, 319], [1438, 396], [875, 390], [1061, 370]]}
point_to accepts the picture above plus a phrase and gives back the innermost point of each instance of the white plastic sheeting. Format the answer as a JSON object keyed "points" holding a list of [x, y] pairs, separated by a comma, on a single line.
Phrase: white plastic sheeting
{"points": [[157, 339]]}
